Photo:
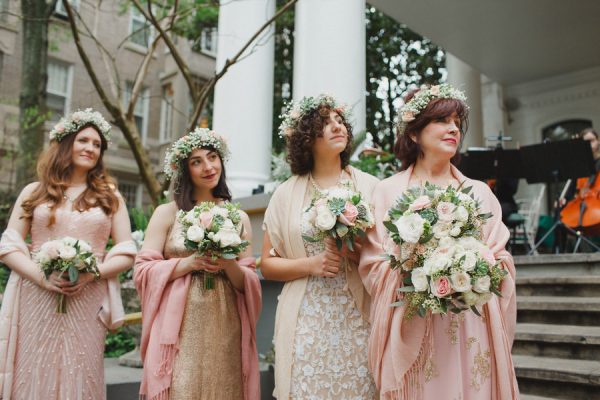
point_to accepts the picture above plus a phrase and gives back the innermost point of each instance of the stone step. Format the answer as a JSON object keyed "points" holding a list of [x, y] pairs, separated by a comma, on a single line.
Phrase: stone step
{"points": [[558, 377], [558, 264], [558, 310], [122, 383], [534, 397], [558, 341], [579, 286]]}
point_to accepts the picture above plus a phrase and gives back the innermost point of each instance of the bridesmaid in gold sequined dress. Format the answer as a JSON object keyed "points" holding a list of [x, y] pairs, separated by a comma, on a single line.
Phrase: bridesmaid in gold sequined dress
{"points": [[43, 354], [208, 360]]}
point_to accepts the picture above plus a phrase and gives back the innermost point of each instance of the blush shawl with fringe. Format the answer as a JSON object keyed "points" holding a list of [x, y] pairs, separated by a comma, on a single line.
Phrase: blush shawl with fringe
{"points": [[396, 355], [163, 305], [283, 224], [111, 313]]}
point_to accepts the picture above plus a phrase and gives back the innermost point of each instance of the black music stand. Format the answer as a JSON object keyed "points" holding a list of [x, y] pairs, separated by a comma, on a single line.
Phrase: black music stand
{"points": [[552, 162], [497, 163]]}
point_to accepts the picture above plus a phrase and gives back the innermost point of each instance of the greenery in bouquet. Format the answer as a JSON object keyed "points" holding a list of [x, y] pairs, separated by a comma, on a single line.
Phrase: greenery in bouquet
{"points": [[435, 243], [215, 231]]}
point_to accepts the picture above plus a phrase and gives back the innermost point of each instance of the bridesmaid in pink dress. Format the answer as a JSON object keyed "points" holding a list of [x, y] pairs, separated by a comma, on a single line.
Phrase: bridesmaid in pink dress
{"points": [[43, 354], [453, 357]]}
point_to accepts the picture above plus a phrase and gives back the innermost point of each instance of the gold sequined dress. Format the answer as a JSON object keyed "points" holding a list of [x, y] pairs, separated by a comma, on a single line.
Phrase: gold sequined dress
{"points": [[208, 364]]}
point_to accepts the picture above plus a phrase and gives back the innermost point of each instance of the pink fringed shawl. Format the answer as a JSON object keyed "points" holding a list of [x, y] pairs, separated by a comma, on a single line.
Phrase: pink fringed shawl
{"points": [[163, 305], [111, 313], [395, 346]]}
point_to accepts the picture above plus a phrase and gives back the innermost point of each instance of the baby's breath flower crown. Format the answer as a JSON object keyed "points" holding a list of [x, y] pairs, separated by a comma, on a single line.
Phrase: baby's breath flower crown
{"points": [[297, 109], [74, 122], [409, 111], [182, 148]]}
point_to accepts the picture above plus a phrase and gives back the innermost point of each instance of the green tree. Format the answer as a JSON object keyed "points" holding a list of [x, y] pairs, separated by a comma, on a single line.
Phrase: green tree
{"points": [[32, 100], [397, 59]]}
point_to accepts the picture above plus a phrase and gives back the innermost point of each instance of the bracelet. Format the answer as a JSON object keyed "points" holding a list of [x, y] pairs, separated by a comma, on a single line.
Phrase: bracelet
{"points": [[96, 273]]}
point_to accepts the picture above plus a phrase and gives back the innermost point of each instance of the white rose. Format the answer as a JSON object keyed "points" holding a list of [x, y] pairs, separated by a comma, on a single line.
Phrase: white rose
{"points": [[461, 214], [84, 246], [227, 224], [67, 252], [445, 211], [195, 233], [339, 193], [447, 241], [410, 227], [42, 257], [436, 264], [455, 231], [465, 198], [325, 219], [469, 243], [219, 211], [138, 236], [470, 260], [482, 284], [69, 241], [190, 218], [441, 230], [461, 281], [227, 237], [419, 280]]}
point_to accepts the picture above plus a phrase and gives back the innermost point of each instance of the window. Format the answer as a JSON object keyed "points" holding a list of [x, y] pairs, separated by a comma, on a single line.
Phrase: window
{"points": [[140, 111], [4, 8], [132, 193], [166, 113], [208, 42], [139, 29], [58, 89], [60, 7]]}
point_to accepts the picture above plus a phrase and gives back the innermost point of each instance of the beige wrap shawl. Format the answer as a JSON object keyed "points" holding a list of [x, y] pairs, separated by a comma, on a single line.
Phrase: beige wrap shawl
{"points": [[283, 224]]}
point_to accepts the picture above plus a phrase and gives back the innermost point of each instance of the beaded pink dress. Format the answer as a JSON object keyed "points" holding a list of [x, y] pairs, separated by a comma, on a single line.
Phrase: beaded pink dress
{"points": [[60, 356]]}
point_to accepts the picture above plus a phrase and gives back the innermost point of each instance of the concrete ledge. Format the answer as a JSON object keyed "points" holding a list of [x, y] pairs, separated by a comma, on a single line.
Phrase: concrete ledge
{"points": [[532, 397], [558, 333], [542, 259], [558, 369], [556, 303], [559, 280]]}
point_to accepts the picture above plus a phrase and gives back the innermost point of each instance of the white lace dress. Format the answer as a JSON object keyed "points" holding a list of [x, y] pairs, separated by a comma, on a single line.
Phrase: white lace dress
{"points": [[330, 344]]}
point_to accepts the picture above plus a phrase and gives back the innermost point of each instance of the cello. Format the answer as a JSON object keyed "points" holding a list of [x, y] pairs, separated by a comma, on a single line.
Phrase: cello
{"points": [[583, 211]]}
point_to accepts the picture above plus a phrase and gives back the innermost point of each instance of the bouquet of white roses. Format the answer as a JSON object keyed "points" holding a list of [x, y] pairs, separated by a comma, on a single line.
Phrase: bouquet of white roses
{"points": [[340, 213], [213, 230], [435, 241], [68, 256]]}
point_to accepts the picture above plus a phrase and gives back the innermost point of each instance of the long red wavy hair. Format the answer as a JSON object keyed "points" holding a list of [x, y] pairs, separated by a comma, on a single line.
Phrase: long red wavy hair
{"points": [[54, 170]]}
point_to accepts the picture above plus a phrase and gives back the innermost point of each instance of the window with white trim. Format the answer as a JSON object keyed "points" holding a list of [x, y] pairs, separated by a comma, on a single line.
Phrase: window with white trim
{"points": [[208, 42], [4, 8], [140, 30], [140, 112], [166, 113], [132, 194], [58, 89], [60, 7]]}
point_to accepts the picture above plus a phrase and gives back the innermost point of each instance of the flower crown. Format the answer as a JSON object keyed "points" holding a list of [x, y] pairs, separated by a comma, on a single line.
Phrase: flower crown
{"points": [[298, 109], [182, 148], [78, 119], [409, 111]]}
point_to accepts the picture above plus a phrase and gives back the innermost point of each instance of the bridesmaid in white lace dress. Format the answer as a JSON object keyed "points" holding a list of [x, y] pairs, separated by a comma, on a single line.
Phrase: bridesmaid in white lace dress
{"points": [[321, 327], [43, 354]]}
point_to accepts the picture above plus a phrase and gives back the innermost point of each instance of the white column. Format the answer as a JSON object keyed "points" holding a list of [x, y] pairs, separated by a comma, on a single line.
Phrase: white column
{"points": [[329, 53], [244, 96], [468, 79]]}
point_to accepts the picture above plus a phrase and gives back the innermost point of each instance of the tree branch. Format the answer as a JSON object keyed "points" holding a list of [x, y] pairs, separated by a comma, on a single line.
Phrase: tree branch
{"points": [[183, 67], [139, 78], [228, 63]]}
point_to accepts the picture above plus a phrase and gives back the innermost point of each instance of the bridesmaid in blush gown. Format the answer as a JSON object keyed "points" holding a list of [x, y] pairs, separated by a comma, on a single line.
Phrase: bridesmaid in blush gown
{"points": [[44, 354], [456, 356]]}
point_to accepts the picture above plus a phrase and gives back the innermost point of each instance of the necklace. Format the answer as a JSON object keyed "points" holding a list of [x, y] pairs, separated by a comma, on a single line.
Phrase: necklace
{"points": [[71, 199], [318, 188]]}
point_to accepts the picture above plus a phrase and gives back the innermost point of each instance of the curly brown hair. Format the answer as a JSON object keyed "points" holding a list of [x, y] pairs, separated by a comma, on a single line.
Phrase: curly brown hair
{"points": [[54, 170], [407, 150], [300, 143]]}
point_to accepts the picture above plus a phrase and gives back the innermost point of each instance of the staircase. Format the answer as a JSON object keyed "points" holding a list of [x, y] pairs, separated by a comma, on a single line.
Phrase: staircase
{"points": [[557, 343]]}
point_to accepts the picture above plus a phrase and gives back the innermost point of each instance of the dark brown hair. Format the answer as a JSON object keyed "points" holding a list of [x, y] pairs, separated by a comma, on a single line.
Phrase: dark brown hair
{"points": [[407, 150], [588, 130], [184, 187], [300, 142], [54, 170]]}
